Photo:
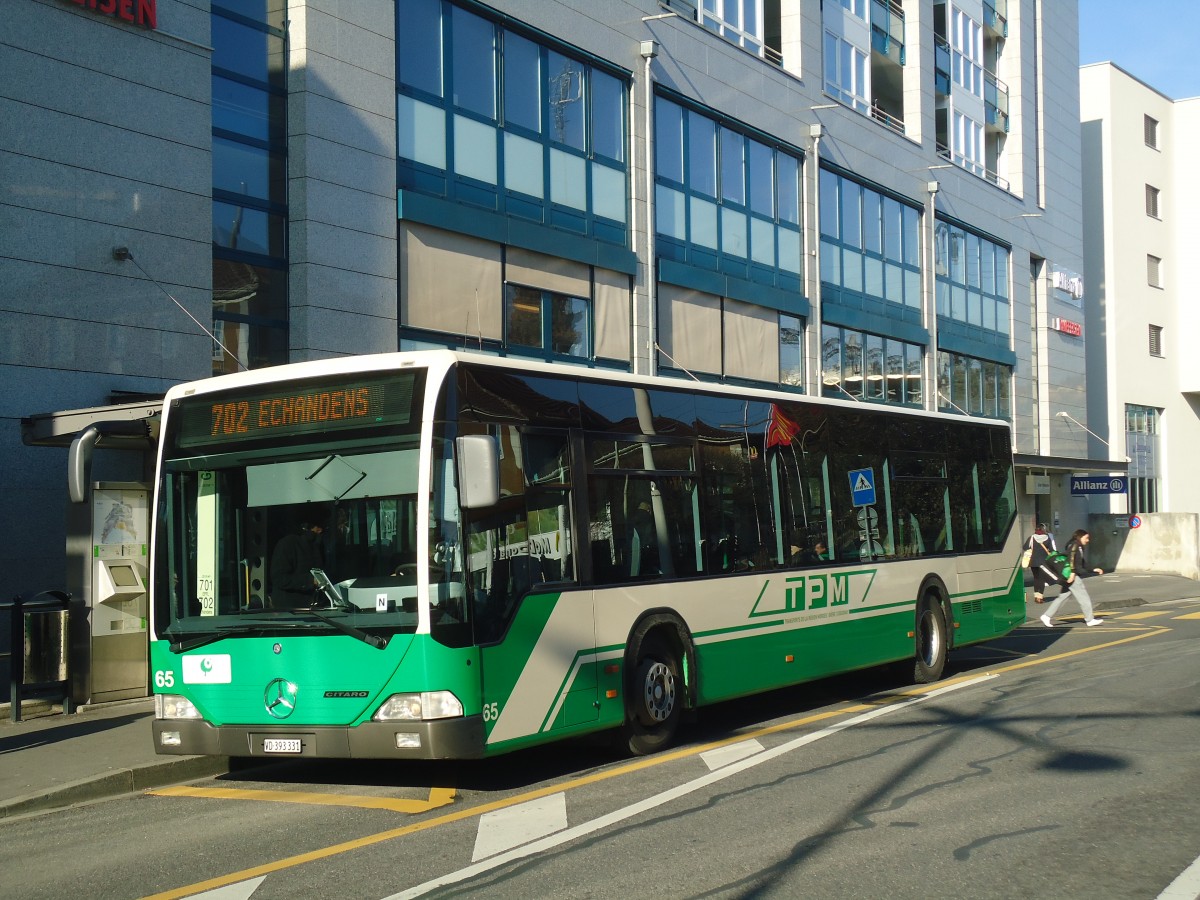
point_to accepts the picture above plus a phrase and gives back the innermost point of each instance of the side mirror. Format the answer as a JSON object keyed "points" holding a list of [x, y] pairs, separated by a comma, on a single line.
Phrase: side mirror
{"points": [[478, 470]]}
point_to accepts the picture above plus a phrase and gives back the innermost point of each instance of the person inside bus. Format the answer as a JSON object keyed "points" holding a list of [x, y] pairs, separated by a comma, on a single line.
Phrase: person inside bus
{"points": [[295, 556], [909, 541], [810, 556], [643, 541], [335, 544]]}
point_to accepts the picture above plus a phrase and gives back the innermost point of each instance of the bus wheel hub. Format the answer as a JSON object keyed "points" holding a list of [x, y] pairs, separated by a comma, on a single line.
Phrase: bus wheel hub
{"points": [[660, 692]]}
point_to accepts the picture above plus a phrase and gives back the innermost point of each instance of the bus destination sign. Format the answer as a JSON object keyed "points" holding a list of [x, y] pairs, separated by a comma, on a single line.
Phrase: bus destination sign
{"points": [[296, 409]]}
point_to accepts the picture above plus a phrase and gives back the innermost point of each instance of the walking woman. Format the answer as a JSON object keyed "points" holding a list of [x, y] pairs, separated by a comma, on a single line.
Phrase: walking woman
{"points": [[1040, 545], [1073, 585]]}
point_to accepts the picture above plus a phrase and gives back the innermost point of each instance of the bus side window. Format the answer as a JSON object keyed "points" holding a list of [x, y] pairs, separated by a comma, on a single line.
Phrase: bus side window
{"points": [[739, 511], [525, 540], [643, 529]]}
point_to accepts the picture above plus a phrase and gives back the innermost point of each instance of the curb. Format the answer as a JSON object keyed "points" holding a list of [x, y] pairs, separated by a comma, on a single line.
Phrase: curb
{"points": [[112, 784]]}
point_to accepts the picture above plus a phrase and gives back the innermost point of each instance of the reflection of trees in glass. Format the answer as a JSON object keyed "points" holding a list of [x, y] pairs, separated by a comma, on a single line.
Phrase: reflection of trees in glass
{"points": [[874, 355], [527, 311], [914, 381], [568, 325], [894, 372], [791, 357], [831, 354], [524, 317], [565, 83], [831, 361]]}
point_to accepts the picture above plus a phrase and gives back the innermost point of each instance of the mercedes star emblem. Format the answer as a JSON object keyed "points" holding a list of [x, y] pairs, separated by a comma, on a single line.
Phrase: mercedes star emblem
{"points": [[280, 698]]}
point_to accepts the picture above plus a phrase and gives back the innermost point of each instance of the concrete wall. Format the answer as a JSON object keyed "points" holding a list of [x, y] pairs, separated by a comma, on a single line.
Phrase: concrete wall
{"points": [[1166, 543], [106, 142], [1122, 305], [342, 179]]}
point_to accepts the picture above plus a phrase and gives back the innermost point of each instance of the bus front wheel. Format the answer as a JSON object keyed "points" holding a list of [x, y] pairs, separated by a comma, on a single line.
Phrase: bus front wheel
{"points": [[653, 697], [931, 639]]}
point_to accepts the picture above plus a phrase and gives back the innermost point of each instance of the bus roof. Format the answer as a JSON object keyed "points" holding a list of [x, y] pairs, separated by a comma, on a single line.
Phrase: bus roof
{"points": [[440, 361]]}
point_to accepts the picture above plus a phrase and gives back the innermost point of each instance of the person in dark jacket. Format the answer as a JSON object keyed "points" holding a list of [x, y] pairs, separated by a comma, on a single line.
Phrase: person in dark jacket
{"points": [[295, 556], [1041, 545], [1073, 585]]}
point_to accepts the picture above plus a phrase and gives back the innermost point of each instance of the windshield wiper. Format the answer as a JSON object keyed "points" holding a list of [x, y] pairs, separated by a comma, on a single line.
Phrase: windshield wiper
{"points": [[184, 644], [370, 640]]}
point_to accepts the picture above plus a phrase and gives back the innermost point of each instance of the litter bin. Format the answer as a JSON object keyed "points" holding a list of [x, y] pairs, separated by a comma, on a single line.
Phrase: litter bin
{"points": [[39, 647]]}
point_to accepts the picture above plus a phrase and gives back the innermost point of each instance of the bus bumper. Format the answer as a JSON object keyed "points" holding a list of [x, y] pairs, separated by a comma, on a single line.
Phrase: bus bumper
{"points": [[462, 738]]}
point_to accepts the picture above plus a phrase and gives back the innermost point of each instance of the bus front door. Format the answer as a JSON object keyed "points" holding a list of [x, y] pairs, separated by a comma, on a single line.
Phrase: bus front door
{"points": [[539, 678]]}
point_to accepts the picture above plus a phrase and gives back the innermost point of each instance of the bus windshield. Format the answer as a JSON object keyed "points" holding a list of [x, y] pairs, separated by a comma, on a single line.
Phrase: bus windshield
{"points": [[290, 530]]}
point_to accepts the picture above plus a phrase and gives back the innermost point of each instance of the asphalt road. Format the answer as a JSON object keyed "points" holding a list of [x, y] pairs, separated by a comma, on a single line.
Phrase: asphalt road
{"points": [[1056, 762]]}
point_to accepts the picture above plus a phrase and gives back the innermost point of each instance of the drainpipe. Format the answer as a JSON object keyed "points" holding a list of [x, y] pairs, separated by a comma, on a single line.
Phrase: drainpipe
{"points": [[929, 370], [649, 50], [812, 230]]}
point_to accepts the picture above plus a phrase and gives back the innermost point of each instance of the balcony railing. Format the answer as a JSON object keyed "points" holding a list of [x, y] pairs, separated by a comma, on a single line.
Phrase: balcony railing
{"points": [[893, 122], [941, 65], [995, 98], [995, 17], [752, 43], [887, 30], [972, 166]]}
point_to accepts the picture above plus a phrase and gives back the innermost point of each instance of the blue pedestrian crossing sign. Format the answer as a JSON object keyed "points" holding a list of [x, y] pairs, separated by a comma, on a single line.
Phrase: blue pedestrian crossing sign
{"points": [[862, 487]]}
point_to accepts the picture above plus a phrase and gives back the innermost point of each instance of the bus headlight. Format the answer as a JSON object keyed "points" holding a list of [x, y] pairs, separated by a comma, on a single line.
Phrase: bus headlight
{"points": [[172, 706], [415, 707]]}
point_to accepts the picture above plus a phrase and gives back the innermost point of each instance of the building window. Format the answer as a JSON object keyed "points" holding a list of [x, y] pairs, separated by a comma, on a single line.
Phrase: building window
{"points": [[1151, 130], [1152, 201], [1153, 271], [1142, 426], [1156, 340], [724, 199], [249, 189], [967, 145], [791, 351], [489, 117], [846, 72], [975, 387], [972, 280], [966, 44], [870, 246], [546, 324], [871, 367], [738, 21], [708, 337], [856, 7]]}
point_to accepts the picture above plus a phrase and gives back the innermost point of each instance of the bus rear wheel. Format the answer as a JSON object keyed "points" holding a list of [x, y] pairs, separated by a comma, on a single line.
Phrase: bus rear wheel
{"points": [[931, 639], [653, 701]]}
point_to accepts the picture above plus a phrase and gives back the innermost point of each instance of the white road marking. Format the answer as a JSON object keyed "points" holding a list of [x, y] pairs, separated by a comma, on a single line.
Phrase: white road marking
{"points": [[243, 890], [725, 756], [507, 828], [634, 809], [1186, 886]]}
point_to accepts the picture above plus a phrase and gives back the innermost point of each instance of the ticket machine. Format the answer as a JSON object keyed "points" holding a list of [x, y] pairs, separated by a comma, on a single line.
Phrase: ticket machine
{"points": [[108, 543]]}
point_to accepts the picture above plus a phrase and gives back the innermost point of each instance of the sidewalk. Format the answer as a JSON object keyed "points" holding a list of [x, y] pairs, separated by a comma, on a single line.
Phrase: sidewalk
{"points": [[50, 760]]}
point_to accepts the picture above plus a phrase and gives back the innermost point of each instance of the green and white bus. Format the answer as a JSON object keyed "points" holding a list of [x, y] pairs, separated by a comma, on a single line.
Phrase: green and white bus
{"points": [[497, 553]]}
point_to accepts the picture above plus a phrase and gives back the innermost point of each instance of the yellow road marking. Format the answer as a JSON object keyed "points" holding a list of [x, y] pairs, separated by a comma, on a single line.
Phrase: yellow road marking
{"points": [[437, 797], [1195, 615], [645, 763], [1150, 614], [1002, 652]]}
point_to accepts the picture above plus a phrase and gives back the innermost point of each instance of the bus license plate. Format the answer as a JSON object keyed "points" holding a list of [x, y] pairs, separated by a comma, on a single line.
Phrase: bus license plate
{"points": [[281, 745]]}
